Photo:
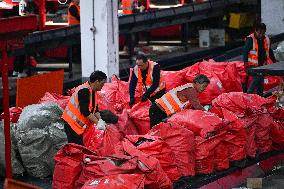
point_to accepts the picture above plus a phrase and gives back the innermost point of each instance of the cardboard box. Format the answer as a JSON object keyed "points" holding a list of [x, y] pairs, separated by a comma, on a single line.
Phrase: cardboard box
{"points": [[212, 38], [254, 182], [241, 20]]}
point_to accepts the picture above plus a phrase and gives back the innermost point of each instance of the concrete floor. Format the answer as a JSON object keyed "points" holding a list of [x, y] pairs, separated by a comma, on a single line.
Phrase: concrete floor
{"points": [[272, 180]]}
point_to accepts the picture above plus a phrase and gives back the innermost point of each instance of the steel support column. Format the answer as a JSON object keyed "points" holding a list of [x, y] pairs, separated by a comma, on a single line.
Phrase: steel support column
{"points": [[5, 84], [99, 37]]}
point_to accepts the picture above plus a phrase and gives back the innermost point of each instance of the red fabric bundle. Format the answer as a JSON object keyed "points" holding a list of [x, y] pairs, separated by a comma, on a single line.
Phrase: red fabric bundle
{"points": [[239, 103], [155, 175], [277, 135], [221, 157], [223, 78], [191, 120], [111, 143], [276, 113], [241, 70], [236, 135], [120, 181], [97, 167], [59, 99], [227, 73], [68, 165], [15, 113], [157, 148], [93, 138], [249, 125], [205, 150], [125, 125], [262, 134], [271, 82], [174, 79], [181, 142], [139, 114], [114, 96]]}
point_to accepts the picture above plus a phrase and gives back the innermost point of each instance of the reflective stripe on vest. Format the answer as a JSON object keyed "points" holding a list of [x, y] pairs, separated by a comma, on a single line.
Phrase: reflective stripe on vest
{"points": [[127, 6], [170, 101], [72, 115], [71, 19], [253, 53], [149, 79]]}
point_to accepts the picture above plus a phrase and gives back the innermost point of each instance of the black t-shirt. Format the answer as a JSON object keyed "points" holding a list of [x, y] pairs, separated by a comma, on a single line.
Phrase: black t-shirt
{"points": [[74, 12], [84, 100], [261, 51], [154, 86]]}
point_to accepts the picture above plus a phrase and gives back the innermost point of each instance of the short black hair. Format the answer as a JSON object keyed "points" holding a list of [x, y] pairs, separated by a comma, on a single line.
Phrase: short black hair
{"points": [[260, 27], [97, 76], [109, 117], [201, 79], [141, 56]]}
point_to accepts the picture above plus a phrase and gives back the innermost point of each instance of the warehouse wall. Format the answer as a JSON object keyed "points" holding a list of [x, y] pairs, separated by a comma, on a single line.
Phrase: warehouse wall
{"points": [[272, 14]]}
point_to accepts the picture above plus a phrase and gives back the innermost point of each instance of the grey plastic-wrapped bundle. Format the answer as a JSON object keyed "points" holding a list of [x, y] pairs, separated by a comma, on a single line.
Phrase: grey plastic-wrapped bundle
{"points": [[18, 168], [40, 134], [279, 52]]}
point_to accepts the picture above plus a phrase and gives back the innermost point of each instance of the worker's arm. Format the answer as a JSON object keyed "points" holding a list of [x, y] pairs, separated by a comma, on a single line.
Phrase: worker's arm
{"points": [[271, 55], [93, 118], [132, 85], [192, 96], [156, 80], [247, 48], [84, 100], [74, 12]]}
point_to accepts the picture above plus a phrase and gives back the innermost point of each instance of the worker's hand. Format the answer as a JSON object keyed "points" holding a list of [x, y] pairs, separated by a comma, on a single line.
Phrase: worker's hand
{"points": [[144, 98], [207, 107], [131, 102], [97, 115], [101, 125]]}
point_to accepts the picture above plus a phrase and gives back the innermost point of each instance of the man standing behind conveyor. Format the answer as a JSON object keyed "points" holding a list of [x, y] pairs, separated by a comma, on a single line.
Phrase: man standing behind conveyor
{"points": [[146, 77], [74, 12], [257, 52]]}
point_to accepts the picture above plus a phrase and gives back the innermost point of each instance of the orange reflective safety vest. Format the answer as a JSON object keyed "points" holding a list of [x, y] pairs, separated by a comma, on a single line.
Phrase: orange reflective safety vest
{"points": [[170, 101], [71, 19], [253, 53], [149, 79], [127, 6], [72, 115]]}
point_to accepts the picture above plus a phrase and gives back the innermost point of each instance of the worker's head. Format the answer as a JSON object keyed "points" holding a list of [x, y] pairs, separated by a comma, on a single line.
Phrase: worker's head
{"points": [[97, 80], [77, 2], [109, 117], [142, 61], [200, 82], [260, 30]]}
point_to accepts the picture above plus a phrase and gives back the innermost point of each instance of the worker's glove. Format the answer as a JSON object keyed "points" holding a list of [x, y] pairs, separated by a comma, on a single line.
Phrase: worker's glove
{"points": [[144, 98], [131, 102], [101, 125], [207, 107]]}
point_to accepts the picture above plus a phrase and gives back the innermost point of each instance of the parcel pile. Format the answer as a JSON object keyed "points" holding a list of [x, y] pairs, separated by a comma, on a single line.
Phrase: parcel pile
{"points": [[128, 154]]}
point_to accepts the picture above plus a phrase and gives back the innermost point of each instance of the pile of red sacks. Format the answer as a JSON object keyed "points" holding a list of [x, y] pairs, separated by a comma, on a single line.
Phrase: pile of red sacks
{"points": [[191, 142]]}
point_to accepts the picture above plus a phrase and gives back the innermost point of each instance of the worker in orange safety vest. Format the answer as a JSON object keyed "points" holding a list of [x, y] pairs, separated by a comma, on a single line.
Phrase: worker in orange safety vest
{"points": [[145, 77], [81, 111], [74, 12], [178, 99], [127, 6], [257, 52]]}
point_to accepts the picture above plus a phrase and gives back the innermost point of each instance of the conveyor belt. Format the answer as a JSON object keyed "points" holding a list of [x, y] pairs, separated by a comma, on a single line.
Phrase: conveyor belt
{"points": [[40, 41], [202, 180], [276, 69]]}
